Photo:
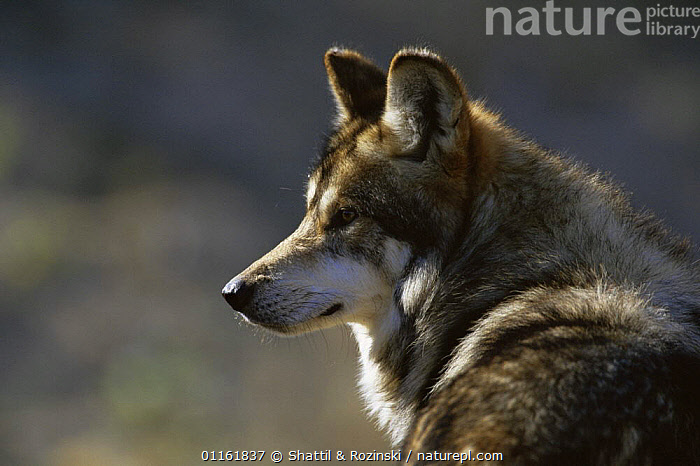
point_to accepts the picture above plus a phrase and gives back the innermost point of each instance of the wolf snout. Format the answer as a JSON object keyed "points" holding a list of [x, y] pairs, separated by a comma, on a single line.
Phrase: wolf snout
{"points": [[238, 293]]}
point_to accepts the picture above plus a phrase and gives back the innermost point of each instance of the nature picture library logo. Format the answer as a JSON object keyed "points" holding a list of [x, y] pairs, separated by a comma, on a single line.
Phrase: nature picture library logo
{"points": [[659, 20]]}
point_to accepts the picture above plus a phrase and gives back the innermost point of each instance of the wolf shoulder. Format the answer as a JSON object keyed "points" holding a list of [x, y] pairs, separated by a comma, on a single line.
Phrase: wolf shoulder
{"points": [[599, 374]]}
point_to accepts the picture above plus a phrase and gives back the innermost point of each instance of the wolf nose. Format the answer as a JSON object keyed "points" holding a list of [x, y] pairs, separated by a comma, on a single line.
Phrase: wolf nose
{"points": [[238, 293]]}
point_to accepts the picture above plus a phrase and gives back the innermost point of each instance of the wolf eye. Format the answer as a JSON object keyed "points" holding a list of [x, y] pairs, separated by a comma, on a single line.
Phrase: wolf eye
{"points": [[344, 216]]}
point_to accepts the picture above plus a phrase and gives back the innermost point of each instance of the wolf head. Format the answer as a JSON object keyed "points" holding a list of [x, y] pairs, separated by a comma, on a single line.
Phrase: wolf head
{"points": [[385, 200]]}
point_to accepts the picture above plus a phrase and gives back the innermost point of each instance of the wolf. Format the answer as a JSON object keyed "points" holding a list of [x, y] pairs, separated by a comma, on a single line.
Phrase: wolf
{"points": [[503, 297]]}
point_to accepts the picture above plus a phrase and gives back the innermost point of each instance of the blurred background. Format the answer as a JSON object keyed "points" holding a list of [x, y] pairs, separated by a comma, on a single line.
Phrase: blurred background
{"points": [[149, 151]]}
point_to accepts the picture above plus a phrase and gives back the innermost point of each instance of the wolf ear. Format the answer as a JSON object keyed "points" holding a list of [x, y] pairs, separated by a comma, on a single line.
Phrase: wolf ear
{"points": [[358, 84], [426, 103]]}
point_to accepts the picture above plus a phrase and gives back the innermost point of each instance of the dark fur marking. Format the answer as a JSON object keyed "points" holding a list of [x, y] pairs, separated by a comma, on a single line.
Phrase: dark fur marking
{"points": [[344, 138]]}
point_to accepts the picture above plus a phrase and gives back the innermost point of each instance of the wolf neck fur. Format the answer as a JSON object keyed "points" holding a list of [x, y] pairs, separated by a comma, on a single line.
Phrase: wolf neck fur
{"points": [[389, 346], [406, 338]]}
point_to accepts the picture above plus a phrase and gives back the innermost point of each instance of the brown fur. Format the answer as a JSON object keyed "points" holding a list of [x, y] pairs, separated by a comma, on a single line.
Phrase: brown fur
{"points": [[504, 298]]}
